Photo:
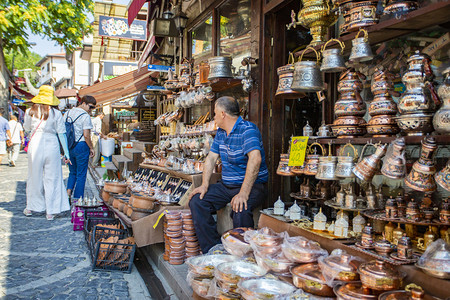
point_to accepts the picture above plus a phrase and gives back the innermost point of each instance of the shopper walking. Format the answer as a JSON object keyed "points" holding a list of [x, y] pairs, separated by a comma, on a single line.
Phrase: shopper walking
{"points": [[80, 147], [45, 185], [17, 139], [96, 134], [5, 134]]}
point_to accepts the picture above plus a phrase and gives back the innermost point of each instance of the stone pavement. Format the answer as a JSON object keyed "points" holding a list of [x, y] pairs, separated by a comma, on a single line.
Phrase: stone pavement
{"points": [[42, 259]]}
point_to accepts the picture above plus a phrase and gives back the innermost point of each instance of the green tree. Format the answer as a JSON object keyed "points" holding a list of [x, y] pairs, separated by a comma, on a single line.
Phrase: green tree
{"points": [[26, 60]]}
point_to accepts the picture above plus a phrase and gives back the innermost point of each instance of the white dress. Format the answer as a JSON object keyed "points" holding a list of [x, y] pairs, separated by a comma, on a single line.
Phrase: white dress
{"points": [[45, 185]]}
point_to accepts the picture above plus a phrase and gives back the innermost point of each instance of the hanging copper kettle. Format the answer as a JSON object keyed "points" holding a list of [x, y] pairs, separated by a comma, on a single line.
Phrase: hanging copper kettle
{"points": [[332, 61], [366, 167], [312, 159], [394, 165], [421, 177], [346, 164], [327, 167], [307, 75], [286, 76], [361, 50]]}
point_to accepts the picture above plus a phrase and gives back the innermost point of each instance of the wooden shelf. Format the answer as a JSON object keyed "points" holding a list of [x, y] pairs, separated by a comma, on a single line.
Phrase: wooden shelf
{"points": [[223, 84], [390, 27], [409, 140]]}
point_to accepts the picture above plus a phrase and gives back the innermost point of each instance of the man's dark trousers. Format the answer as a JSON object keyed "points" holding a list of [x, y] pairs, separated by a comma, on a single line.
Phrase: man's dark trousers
{"points": [[217, 197]]}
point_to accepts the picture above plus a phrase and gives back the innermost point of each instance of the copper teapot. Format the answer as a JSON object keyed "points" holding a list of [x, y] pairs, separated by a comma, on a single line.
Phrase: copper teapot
{"points": [[366, 167]]}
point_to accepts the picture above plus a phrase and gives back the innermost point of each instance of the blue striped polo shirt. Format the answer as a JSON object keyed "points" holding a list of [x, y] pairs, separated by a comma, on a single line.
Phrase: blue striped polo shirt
{"points": [[233, 149]]}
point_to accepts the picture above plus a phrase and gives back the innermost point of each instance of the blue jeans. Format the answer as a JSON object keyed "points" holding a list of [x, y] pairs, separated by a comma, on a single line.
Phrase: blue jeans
{"points": [[217, 197], [79, 156]]}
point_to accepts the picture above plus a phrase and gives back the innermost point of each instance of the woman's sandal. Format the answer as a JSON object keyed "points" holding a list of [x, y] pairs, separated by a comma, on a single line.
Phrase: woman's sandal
{"points": [[27, 212], [50, 217]]}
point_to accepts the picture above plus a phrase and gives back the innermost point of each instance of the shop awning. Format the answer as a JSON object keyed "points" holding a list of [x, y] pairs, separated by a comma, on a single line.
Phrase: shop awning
{"points": [[65, 93], [120, 86], [18, 92], [133, 9]]}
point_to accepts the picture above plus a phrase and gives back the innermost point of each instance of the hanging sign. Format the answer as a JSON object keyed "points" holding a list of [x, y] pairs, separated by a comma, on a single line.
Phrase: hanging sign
{"points": [[155, 88], [160, 68], [118, 28], [298, 151]]}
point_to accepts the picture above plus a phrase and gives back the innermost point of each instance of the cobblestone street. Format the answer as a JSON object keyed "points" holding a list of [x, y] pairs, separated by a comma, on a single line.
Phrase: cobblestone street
{"points": [[42, 259]]}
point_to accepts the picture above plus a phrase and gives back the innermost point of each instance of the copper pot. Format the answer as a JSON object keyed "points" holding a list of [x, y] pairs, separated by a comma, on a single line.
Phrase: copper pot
{"points": [[309, 278], [378, 275], [341, 267], [286, 76], [354, 291]]}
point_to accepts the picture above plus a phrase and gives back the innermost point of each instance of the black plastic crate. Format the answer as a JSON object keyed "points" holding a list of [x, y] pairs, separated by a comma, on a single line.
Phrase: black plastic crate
{"points": [[113, 256], [90, 222]]}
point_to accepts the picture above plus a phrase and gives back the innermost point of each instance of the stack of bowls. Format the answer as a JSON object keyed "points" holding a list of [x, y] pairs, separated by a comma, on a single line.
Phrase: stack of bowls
{"points": [[192, 247], [174, 237]]}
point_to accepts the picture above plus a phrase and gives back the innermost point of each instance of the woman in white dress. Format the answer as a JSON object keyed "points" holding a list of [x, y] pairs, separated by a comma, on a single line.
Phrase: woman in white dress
{"points": [[45, 186]]}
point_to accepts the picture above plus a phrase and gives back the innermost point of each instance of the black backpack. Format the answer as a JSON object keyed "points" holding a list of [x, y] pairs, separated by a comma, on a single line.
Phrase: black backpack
{"points": [[70, 131]]}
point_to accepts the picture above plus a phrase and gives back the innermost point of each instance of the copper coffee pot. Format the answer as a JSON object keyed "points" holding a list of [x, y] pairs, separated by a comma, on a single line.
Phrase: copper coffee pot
{"points": [[366, 167], [421, 177]]}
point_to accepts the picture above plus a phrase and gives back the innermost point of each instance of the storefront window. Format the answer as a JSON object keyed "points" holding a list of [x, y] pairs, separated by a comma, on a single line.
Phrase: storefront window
{"points": [[201, 37], [234, 28]]}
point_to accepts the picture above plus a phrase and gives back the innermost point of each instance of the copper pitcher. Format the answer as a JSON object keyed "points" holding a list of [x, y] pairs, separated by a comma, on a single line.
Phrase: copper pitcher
{"points": [[286, 76], [394, 164], [366, 167], [421, 177]]}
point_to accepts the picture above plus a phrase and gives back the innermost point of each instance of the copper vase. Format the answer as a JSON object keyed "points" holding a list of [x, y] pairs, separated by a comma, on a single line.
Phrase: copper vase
{"points": [[421, 177]]}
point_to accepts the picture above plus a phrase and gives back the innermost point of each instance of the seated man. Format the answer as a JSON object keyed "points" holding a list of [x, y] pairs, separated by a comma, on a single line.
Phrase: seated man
{"points": [[244, 172]]}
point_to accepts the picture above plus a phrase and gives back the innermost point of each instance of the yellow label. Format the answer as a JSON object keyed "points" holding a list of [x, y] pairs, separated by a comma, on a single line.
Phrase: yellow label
{"points": [[298, 151], [159, 218]]}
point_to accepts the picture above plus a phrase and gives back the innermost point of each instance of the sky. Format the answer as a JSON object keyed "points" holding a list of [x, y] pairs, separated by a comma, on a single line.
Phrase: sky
{"points": [[44, 46]]}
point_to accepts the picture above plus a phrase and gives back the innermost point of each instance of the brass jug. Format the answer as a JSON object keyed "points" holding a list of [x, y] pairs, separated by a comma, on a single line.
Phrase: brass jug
{"points": [[332, 61], [312, 159], [361, 50], [397, 234], [394, 164], [345, 164], [365, 168], [307, 75], [443, 177], [286, 76], [421, 177]]}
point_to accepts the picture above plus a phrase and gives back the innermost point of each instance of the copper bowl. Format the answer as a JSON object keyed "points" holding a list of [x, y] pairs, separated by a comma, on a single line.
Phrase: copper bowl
{"points": [[309, 278], [378, 275], [232, 272], [347, 131], [115, 187], [200, 286], [343, 267], [302, 250], [274, 263]]}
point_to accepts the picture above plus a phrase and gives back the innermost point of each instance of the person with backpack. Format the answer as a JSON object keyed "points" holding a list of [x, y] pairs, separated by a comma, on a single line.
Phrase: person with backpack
{"points": [[78, 129], [45, 186]]}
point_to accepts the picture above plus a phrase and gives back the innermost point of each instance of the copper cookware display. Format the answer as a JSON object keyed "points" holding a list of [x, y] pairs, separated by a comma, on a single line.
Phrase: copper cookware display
{"points": [[309, 278], [333, 61], [421, 177], [230, 273], [173, 238], [378, 275], [361, 50], [317, 16], [366, 167], [419, 101], [286, 76], [264, 240], [190, 237], [307, 75], [204, 265], [441, 119], [394, 164], [276, 262]]}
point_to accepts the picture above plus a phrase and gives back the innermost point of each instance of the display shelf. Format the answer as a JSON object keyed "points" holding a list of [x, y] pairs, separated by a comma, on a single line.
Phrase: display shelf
{"points": [[380, 215], [382, 257], [409, 140], [427, 16], [297, 197], [223, 84], [332, 204], [212, 132]]}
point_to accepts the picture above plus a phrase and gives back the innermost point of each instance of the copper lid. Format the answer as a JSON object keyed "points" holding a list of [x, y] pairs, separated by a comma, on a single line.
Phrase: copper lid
{"points": [[354, 291], [379, 269], [309, 271], [417, 56], [412, 294], [342, 262]]}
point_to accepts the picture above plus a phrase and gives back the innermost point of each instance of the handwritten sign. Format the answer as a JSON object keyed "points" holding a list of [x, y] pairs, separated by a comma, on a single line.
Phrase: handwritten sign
{"points": [[298, 150]]}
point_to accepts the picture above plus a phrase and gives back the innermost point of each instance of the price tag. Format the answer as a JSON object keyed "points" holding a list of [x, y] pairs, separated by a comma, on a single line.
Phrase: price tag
{"points": [[298, 151]]}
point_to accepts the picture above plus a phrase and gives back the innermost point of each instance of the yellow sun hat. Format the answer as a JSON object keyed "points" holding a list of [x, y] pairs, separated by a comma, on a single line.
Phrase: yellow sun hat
{"points": [[46, 95]]}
